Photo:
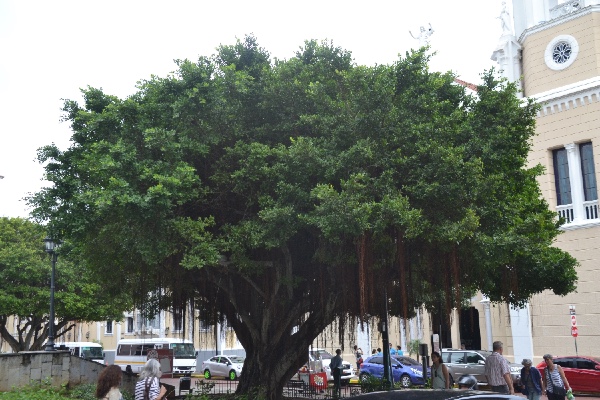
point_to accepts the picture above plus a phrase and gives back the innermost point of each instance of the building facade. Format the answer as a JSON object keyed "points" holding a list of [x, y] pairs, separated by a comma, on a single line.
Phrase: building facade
{"points": [[555, 55]]}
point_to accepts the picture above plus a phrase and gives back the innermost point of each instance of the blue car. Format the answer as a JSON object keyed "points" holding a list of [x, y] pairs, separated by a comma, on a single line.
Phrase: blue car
{"points": [[405, 370]]}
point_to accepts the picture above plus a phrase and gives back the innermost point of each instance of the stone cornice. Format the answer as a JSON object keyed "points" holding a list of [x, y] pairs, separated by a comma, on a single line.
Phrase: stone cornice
{"points": [[569, 96], [542, 26]]}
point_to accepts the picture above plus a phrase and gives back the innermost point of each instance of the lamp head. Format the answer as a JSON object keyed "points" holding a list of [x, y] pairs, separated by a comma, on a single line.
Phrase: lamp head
{"points": [[51, 244]]}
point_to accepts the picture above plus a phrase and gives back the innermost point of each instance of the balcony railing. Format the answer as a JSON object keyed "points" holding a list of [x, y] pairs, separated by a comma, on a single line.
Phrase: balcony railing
{"points": [[590, 209], [566, 212]]}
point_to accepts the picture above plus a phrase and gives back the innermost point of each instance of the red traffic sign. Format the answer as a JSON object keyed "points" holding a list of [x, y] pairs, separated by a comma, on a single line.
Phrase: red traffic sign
{"points": [[573, 320], [574, 331]]}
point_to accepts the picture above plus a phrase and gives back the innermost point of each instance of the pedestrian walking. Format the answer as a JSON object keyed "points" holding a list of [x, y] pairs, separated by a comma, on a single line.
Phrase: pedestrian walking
{"points": [[555, 381], [358, 353], [497, 371], [149, 387], [531, 381], [336, 371]]}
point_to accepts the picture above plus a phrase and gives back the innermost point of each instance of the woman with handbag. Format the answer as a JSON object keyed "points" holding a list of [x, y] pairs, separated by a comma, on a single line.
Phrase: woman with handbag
{"points": [[555, 382]]}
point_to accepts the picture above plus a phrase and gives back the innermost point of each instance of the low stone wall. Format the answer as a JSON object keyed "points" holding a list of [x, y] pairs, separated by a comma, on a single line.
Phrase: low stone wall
{"points": [[58, 367]]}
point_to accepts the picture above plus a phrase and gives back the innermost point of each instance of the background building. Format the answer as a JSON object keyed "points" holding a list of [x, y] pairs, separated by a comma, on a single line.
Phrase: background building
{"points": [[555, 54]]}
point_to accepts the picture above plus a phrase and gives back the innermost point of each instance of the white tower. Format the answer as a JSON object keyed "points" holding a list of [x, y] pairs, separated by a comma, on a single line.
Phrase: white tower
{"points": [[508, 50]]}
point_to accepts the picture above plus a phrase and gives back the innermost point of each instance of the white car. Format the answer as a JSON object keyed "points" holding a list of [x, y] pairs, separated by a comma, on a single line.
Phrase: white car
{"points": [[222, 365], [319, 359]]}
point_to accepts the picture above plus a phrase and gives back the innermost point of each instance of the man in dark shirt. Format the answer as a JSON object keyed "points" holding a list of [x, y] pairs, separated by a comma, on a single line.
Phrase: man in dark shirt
{"points": [[336, 371]]}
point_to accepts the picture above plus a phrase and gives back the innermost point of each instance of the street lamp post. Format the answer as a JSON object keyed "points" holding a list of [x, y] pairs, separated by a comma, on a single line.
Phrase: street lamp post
{"points": [[51, 247]]}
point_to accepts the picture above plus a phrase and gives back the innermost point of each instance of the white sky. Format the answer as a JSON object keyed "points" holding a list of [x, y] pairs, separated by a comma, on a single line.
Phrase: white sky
{"points": [[50, 49]]}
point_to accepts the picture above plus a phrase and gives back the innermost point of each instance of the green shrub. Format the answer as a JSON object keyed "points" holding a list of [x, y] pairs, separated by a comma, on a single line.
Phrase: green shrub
{"points": [[83, 392], [371, 384], [45, 391], [88, 392], [35, 391]]}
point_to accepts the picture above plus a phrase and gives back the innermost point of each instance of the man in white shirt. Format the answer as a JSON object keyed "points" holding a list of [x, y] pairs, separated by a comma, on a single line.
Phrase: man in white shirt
{"points": [[497, 371]]}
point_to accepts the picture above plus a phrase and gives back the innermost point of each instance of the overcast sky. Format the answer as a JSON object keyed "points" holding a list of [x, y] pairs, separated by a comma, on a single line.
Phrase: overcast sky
{"points": [[51, 49]]}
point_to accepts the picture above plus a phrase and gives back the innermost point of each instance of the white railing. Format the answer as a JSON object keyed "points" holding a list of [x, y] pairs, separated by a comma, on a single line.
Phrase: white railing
{"points": [[590, 211], [566, 212]]}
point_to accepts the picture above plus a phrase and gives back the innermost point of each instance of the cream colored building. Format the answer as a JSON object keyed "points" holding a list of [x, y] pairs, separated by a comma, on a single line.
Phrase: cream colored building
{"points": [[555, 53]]}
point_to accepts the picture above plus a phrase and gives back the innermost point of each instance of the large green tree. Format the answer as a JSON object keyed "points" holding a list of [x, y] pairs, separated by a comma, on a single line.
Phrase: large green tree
{"points": [[25, 270], [278, 196]]}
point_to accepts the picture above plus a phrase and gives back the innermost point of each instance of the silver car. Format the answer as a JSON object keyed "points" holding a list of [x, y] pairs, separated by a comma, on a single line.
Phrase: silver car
{"points": [[225, 366], [472, 362]]}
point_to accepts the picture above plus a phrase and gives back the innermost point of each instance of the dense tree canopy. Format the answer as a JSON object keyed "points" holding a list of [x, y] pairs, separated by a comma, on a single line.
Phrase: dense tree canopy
{"points": [[280, 195], [25, 292]]}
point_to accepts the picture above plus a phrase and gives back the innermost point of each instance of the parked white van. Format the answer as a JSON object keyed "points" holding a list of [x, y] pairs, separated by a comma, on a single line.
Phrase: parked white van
{"points": [[134, 352], [88, 350]]}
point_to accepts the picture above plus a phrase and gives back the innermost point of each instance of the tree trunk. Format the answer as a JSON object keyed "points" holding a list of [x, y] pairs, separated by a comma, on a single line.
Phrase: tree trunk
{"points": [[270, 365], [276, 315]]}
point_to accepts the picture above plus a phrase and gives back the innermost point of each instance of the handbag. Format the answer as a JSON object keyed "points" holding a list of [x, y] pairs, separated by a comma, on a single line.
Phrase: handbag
{"points": [[557, 390]]}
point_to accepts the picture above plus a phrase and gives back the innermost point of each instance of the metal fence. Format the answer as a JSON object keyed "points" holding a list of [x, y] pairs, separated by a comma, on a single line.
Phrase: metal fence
{"points": [[292, 389], [301, 389]]}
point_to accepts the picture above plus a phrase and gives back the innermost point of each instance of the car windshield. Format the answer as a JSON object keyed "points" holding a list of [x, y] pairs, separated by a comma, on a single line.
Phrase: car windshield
{"points": [[407, 360], [237, 359], [183, 350], [92, 352], [325, 355]]}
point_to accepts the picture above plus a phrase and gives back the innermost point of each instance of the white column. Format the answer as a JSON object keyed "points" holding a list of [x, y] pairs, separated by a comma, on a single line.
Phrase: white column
{"points": [[362, 338], [220, 339], [419, 326], [190, 321], [488, 321], [98, 331], [520, 325], [403, 334], [118, 330], [455, 329], [577, 195], [539, 11], [162, 324]]}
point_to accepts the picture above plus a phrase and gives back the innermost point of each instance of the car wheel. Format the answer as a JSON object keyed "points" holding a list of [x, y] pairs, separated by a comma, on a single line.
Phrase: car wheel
{"points": [[232, 375], [206, 374], [405, 381], [364, 377]]}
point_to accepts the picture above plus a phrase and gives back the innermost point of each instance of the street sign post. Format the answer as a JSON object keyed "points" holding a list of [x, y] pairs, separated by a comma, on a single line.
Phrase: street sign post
{"points": [[574, 330]]}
